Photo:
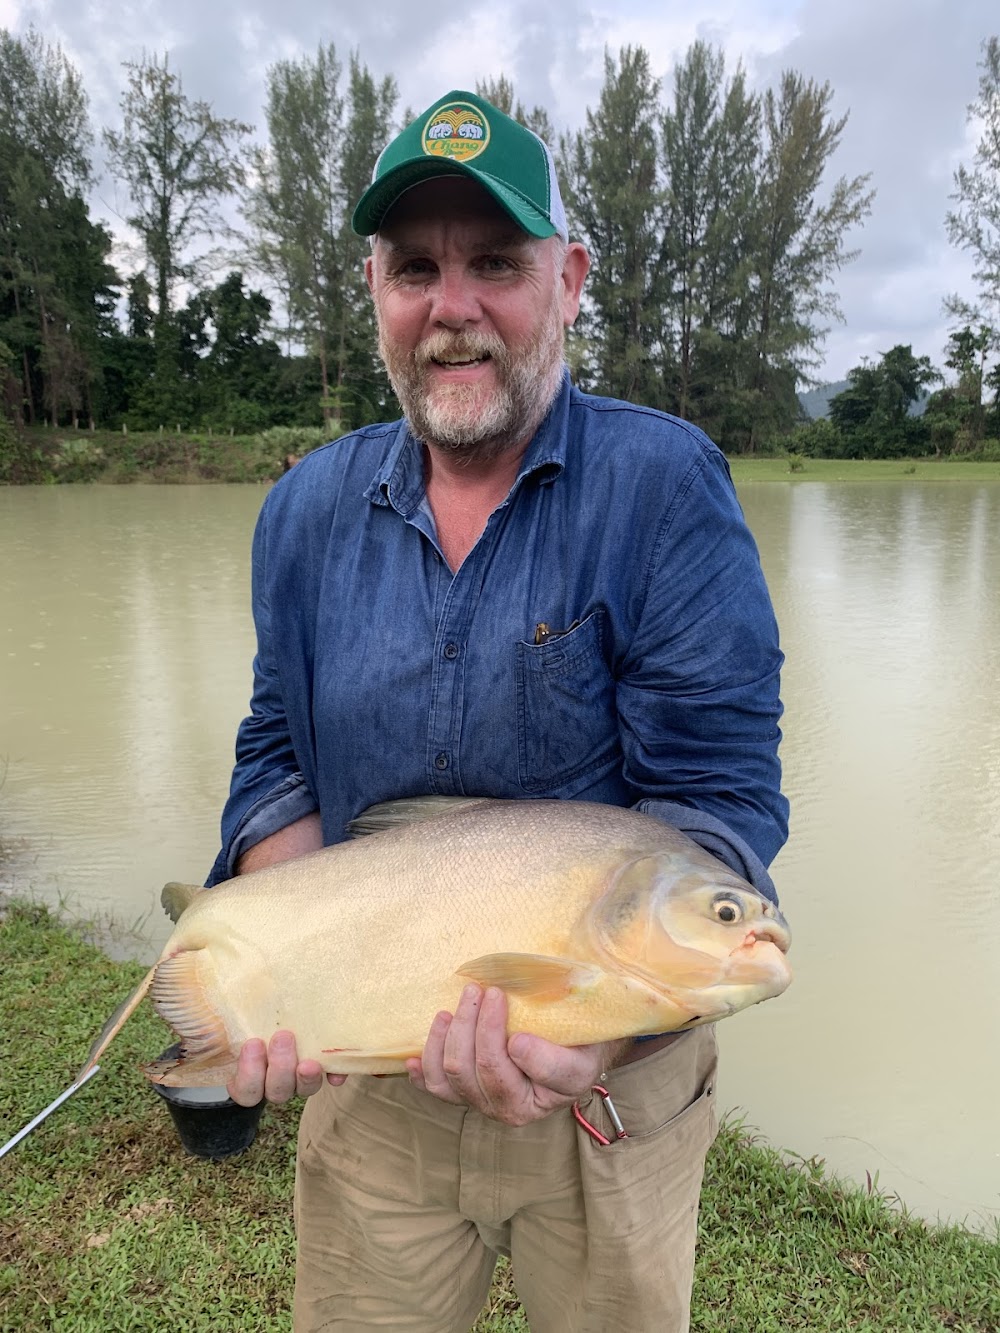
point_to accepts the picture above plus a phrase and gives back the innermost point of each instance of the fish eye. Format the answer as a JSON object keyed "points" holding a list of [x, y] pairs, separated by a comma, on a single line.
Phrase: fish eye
{"points": [[727, 910]]}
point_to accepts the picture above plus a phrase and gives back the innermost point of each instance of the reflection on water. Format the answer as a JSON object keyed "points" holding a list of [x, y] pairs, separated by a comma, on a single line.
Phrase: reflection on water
{"points": [[880, 1057], [125, 667], [124, 670]]}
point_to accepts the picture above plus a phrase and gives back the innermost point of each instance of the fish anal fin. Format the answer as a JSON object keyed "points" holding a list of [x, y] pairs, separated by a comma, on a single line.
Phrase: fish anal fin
{"points": [[409, 810], [178, 996], [531, 975], [116, 1022], [176, 898]]}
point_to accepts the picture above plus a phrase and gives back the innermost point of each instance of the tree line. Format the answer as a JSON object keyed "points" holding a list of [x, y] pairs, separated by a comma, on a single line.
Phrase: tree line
{"points": [[874, 416], [715, 228]]}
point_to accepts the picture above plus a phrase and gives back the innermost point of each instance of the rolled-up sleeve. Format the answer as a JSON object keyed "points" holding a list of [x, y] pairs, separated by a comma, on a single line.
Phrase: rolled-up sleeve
{"points": [[268, 790], [698, 694]]}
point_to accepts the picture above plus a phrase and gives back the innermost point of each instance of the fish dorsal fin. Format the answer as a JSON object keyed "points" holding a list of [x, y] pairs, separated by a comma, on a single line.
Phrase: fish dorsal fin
{"points": [[176, 897], [532, 975], [409, 810]]}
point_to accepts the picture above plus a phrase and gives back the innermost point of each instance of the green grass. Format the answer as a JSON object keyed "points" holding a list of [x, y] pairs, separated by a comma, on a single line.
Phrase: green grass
{"points": [[45, 454], [106, 1224], [59, 455], [856, 469]]}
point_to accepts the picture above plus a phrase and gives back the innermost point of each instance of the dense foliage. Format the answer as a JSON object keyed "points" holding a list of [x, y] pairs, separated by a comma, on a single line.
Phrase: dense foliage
{"points": [[887, 412], [715, 236], [715, 228]]}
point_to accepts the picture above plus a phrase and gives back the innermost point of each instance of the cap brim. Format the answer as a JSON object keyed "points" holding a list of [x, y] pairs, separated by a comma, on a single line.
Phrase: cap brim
{"points": [[380, 196]]}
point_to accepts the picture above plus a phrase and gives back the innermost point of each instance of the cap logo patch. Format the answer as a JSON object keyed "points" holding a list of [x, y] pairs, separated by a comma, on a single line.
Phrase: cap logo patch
{"points": [[457, 131]]}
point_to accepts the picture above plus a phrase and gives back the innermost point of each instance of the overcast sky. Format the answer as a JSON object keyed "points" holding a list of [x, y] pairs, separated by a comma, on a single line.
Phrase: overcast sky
{"points": [[904, 72]]}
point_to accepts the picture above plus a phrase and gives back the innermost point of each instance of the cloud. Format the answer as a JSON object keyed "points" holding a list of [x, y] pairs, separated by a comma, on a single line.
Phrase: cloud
{"points": [[904, 72]]}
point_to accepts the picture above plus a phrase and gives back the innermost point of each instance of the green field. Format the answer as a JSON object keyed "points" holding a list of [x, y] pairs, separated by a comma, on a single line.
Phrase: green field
{"points": [[107, 1225]]}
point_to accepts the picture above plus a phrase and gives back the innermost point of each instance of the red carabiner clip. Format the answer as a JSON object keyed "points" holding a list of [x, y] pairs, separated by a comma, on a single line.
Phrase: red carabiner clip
{"points": [[613, 1116]]}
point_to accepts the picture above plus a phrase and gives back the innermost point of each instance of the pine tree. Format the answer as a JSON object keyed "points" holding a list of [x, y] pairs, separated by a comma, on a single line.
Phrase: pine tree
{"points": [[178, 161], [615, 207]]}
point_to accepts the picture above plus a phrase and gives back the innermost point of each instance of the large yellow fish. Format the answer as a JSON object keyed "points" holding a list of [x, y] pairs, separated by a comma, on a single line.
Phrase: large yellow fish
{"points": [[598, 922]]}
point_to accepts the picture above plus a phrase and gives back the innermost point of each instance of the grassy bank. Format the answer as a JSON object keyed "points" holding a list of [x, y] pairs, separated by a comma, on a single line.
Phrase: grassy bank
{"points": [[106, 1225], [862, 469], [49, 455], [45, 455]]}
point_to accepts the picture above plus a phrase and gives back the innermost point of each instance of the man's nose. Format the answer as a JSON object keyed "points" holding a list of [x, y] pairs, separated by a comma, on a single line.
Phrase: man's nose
{"points": [[454, 301]]}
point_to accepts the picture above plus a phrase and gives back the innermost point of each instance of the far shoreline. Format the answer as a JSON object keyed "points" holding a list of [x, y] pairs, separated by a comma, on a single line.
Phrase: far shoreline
{"points": [[52, 456]]}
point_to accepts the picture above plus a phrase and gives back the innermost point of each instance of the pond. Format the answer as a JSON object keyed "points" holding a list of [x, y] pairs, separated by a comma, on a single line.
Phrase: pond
{"points": [[125, 668]]}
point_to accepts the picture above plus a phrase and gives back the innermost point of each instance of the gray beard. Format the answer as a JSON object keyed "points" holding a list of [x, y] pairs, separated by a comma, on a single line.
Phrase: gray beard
{"points": [[455, 419]]}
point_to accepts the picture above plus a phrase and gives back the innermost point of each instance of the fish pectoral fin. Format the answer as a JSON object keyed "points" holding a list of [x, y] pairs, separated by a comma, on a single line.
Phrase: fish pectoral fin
{"points": [[175, 898], [115, 1023], [179, 998], [410, 810], [532, 975]]}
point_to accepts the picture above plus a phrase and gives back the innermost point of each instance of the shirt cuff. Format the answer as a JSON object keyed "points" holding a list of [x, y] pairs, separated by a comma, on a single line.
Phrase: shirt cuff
{"points": [[284, 804]]}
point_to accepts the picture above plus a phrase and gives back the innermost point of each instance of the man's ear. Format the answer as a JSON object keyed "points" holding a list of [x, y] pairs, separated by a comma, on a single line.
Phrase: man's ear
{"points": [[576, 266], [370, 273]]}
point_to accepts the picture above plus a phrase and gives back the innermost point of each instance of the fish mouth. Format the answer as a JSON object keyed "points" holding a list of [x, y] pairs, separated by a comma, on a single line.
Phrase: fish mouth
{"points": [[760, 961], [771, 928], [765, 935]]}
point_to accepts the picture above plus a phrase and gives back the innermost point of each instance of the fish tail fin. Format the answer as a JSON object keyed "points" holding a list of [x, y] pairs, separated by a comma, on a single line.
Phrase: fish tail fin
{"points": [[115, 1023], [178, 996]]}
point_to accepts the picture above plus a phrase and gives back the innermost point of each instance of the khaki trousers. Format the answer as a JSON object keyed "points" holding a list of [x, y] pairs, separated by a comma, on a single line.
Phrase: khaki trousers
{"points": [[403, 1203]]}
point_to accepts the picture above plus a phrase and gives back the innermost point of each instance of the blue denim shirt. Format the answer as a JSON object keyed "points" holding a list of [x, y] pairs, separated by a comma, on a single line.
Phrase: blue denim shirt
{"points": [[380, 674]]}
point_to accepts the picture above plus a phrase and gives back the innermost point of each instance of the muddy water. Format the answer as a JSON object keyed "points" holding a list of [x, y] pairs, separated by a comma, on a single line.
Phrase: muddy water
{"points": [[125, 649]]}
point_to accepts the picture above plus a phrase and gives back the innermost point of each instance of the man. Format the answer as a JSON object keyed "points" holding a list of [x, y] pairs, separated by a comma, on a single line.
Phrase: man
{"points": [[518, 591]]}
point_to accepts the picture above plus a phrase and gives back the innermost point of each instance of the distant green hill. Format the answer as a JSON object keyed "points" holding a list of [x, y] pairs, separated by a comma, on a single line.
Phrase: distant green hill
{"points": [[814, 401]]}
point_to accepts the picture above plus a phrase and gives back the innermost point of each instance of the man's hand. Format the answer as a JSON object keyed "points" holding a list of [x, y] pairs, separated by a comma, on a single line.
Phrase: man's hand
{"points": [[275, 1072], [469, 1061]]}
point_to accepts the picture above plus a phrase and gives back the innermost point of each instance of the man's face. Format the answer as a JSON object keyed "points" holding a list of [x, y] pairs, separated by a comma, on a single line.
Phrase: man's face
{"points": [[471, 315]]}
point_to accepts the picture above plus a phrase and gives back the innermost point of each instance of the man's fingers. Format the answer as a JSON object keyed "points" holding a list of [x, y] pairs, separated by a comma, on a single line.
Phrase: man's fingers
{"points": [[428, 1073], [479, 1067], [569, 1070], [459, 1054], [275, 1072], [496, 1072], [468, 1060], [282, 1061], [308, 1078], [246, 1087]]}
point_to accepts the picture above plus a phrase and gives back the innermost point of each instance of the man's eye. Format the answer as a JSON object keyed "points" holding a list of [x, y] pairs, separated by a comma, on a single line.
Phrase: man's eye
{"points": [[496, 264]]}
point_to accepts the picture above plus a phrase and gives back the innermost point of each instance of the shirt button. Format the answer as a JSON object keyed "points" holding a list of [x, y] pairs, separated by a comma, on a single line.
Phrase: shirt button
{"points": [[441, 761], [451, 651]]}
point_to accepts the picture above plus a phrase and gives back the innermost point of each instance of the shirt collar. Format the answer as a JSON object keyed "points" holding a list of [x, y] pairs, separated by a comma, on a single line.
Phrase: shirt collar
{"points": [[399, 480]]}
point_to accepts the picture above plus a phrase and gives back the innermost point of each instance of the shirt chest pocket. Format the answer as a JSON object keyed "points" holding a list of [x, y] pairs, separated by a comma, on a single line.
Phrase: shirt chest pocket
{"points": [[567, 723]]}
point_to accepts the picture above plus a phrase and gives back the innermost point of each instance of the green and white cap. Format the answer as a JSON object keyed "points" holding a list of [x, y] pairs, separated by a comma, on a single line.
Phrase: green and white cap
{"points": [[464, 135]]}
